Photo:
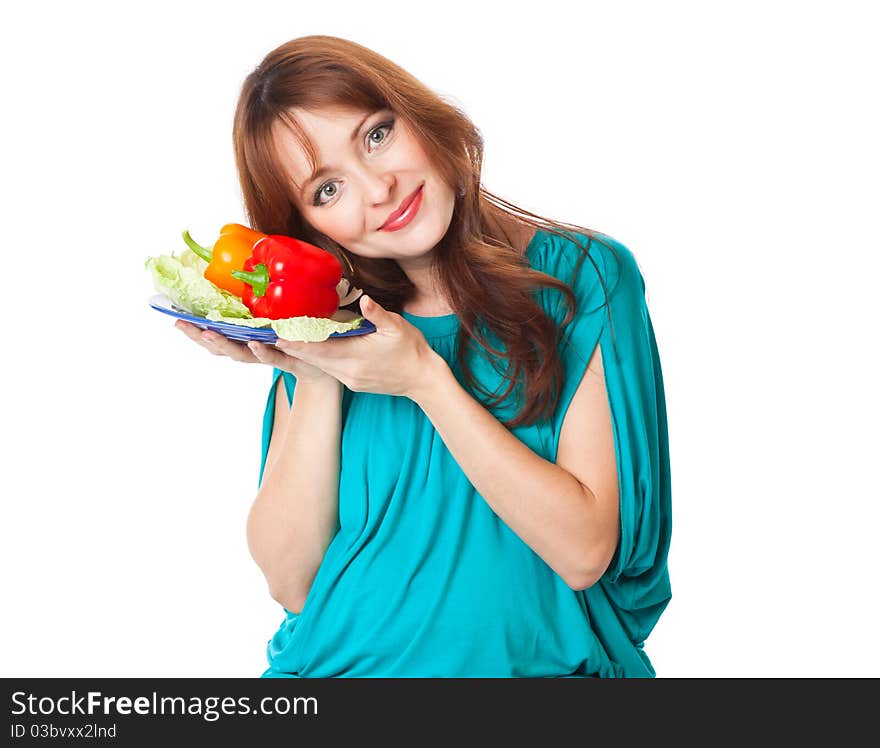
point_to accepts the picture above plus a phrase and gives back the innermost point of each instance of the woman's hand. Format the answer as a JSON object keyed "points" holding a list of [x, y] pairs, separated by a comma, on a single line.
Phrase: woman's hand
{"points": [[394, 360], [252, 353]]}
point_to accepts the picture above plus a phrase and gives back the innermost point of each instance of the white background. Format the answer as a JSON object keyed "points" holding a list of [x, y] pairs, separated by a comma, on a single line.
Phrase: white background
{"points": [[731, 146]]}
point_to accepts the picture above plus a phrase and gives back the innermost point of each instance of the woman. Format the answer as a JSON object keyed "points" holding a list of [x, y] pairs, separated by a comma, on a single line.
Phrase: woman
{"points": [[481, 487]]}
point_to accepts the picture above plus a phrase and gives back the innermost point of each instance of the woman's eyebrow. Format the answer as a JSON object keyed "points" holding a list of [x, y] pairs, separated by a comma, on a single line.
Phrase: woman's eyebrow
{"points": [[325, 169]]}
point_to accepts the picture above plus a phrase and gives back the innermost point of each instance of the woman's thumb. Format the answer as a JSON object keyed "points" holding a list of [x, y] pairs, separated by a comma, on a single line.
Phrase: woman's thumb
{"points": [[371, 309]]}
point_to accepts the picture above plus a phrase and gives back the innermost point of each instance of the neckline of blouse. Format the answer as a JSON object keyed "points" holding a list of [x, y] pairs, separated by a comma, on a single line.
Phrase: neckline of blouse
{"points": [[446, 324]]}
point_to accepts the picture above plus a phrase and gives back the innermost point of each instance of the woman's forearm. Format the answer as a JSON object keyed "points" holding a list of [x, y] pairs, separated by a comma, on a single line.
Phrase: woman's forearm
{"points": [[545, 505], [296, 512]]}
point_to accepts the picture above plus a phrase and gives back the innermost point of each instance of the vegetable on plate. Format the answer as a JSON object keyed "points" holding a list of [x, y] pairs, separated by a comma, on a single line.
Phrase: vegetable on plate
{"points": [[288, 285], [230, 252], [285, 277]]}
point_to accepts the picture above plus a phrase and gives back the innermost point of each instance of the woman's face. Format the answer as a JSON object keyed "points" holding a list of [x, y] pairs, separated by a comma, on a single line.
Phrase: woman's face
{"points": [[372, 163]]}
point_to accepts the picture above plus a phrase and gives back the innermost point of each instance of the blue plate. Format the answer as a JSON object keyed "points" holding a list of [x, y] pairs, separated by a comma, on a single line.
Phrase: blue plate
{"points": [[163, 304]]}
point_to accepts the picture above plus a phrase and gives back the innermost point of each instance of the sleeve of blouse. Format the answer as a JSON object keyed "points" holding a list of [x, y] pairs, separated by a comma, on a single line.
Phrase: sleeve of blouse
{"points": [[269, 414], [636, 582]]}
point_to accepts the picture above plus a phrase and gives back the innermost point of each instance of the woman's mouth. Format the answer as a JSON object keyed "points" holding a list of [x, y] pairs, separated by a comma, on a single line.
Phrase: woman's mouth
{"points": [[403, 218]]}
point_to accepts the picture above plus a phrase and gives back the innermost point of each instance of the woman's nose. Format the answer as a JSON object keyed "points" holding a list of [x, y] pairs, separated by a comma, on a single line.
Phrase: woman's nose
{"points": [[380, 189]]}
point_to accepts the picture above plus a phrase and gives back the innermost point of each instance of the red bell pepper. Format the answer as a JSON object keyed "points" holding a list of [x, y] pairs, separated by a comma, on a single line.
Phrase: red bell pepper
{"points": [[286, 277]]}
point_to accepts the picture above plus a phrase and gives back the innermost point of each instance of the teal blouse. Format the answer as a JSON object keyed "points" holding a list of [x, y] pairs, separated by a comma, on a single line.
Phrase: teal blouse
{"points": [[424, 580]]}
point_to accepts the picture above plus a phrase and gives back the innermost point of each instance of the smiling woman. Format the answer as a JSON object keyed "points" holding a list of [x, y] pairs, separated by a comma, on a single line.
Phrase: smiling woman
{"points": [[375, 179], [481, 488]]}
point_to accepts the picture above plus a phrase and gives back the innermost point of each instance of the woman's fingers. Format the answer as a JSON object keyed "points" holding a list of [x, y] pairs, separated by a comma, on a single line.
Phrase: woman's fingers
{"points": [[217, 344], [253, 352], [269, 354], [198, 335], [191, 331], [235, 350]]}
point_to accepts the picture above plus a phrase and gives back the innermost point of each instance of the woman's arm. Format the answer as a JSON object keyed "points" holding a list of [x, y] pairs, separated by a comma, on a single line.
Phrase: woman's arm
{"points": [[568, 515], [296, 512], [570, 523]]}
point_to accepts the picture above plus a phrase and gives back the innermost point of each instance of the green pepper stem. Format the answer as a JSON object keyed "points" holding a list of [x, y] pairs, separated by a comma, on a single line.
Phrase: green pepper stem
{"points": [[258, 280], [205, 254]]}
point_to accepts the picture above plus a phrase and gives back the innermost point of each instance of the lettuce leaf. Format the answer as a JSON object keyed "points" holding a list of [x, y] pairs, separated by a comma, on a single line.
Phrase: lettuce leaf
{"points": [[180, 277], [244, 321], [312, 329], [303, 329]]}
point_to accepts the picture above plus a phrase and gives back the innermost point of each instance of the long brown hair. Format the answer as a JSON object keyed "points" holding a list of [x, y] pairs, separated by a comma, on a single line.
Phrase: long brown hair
{"points": [[486, 279]]}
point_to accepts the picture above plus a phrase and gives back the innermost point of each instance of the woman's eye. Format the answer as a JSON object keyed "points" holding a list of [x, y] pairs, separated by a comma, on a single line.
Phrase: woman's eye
{"points": [[378, 128], [321, 192]]}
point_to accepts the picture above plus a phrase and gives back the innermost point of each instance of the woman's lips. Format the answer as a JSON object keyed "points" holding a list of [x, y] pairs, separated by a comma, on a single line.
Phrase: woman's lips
{"points": [[408, 213]]}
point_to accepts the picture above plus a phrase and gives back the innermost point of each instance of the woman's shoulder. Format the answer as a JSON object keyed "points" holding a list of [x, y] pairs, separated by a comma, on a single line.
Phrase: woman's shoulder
{"points": [[587, 262]]}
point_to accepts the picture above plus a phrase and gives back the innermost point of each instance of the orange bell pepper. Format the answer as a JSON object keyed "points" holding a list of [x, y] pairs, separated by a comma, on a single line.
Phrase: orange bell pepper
{"points": [[230, 252]]}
